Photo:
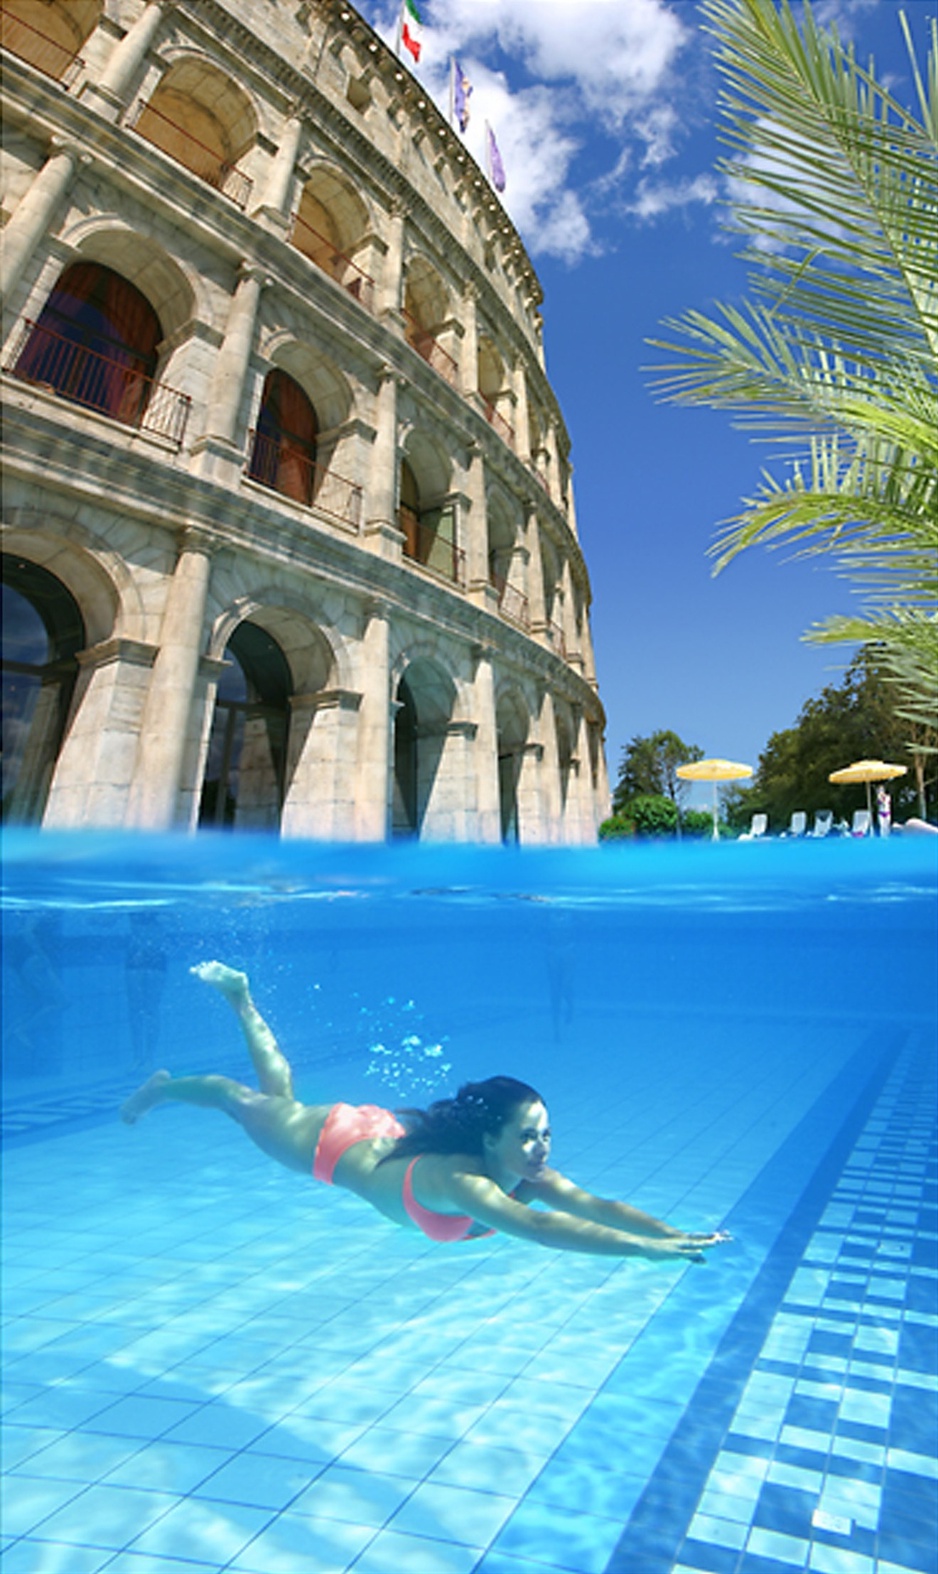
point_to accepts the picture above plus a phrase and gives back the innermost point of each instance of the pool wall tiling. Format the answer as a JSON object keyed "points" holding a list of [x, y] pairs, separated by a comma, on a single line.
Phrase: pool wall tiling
{"points": [[210, 1364]]}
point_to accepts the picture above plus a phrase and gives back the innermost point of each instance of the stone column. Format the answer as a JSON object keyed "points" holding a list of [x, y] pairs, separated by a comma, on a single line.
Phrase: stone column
{"points": [[276, 201], [469, 354], [392, 282], [157, 777], [221, 437], [522, 422], [552, 808], [531, 830], [535, 581], [485, 753], [109, 91], [92, 777], [375, 720], [34, 213], [475, 540], [381, 491]]}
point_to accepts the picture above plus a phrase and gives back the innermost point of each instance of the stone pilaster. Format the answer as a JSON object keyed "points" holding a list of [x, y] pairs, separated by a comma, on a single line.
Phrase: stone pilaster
{"points": [[276, 200], [157, 777], [222, 439], [372, 783], [381, 492], [392, 274], [35, 211], [320, 797], [469, 349], [93, 774], [485, 762], [108, 94]]}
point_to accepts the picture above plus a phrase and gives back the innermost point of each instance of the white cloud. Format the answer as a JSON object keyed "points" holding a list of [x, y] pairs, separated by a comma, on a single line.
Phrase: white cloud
{"points": [[652, 199], [603, 73]]}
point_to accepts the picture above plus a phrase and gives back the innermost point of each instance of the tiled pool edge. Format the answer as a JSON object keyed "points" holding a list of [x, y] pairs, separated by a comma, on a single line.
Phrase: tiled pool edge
{"points": [[658, 1527]]}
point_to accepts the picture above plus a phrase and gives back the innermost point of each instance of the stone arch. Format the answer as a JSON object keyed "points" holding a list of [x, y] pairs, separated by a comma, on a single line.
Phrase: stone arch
{"points": [[168, 287], [330, 224], [425, 699], [93, 574], [205, 120], [315, 659], [565, 729], [426, 298], [512, 726], [317, 374], [427, 511], [51, 36]]}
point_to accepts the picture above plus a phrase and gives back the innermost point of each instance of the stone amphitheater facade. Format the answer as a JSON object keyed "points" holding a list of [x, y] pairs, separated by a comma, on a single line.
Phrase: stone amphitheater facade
{"points": [[289, 533]]}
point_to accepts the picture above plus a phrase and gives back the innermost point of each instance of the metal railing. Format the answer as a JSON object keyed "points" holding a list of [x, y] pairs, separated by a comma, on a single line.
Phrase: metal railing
{"points": [[320, 250], [557, 639], [512, 603], [36, 47], [430, 348], [423, 544], [98, 382], [495, 419], [172, 138], [284, 468], [541, 477]]}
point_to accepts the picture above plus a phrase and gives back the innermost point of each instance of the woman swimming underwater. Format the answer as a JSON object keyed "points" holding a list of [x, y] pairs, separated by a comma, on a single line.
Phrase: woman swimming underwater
{"points": [[465, 1167]]}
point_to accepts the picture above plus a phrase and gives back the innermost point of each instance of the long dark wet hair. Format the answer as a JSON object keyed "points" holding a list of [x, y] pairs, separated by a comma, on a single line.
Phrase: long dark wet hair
{"points": [[460, 1125]]}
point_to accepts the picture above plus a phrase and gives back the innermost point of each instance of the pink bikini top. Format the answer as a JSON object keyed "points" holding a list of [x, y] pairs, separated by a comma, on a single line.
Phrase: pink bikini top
{"points": [[437, 1226]]}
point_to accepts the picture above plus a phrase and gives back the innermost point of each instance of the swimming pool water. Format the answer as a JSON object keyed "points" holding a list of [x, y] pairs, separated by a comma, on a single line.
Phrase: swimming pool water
{"points": [[210, 1364]]}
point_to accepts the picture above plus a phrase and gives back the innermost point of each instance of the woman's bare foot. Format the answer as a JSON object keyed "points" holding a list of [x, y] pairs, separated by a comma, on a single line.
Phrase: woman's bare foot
{"points": [[145, 1097], [227, 980]]}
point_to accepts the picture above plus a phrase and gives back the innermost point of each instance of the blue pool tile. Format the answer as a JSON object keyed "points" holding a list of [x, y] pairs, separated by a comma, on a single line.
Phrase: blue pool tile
{"points": [[291, 1544], [31, 1556], [142, 1563], [25, 1503], [453, 1513], [391, 1552], [106, 1516], [709, 1556], [255, 1479], [818, 1415], [136, 1417], [588, 1490], [211, 1531], [214, 1425], [400, 1454], [357, 1497], [79, 1456], [908, 1553], [167, 1467], [580, 1543], [484, 1468], [785, 1509]]}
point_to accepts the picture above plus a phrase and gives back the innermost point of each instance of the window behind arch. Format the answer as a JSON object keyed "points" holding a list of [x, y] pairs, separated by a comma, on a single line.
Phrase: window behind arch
{"points": [[283, 454], [245, 770], [42, 631], [95, 343]]}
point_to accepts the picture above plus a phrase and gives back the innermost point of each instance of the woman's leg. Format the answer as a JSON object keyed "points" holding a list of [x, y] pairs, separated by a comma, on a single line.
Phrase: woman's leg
{"points": [[280, 1127], [273, 1069]]}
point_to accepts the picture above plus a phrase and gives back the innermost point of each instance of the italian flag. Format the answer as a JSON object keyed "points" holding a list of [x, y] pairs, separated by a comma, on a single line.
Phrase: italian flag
{"points": [[411, 29]]}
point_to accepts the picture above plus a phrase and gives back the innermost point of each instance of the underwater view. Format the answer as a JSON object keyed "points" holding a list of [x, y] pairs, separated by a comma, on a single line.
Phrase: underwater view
{"points": [[212, 1363]]}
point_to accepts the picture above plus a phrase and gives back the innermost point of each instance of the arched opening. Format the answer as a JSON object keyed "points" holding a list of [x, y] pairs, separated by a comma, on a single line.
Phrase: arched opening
{"points": [[512, 730], [493, 390], [283, 453], [502, 534], [327, 228], [429, 531], [95, 343], [205, 122], [243, 782], [425, 701], [425, 312], [564, 730], [43, 629], [49, 35]]}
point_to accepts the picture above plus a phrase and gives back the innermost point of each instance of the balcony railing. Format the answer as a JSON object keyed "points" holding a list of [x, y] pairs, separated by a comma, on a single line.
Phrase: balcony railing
{"points": [[557, 639], [284, 468], [423, 544], [320, 250], [37, 48], [512, 603], [98, 382], [495, 419], [541, 477], [432, 351], [172, 138]]}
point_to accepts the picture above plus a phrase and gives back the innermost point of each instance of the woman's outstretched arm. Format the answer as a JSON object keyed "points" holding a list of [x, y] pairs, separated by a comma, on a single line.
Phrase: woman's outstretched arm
{"points": [[558, 1192], [485, 1202]]}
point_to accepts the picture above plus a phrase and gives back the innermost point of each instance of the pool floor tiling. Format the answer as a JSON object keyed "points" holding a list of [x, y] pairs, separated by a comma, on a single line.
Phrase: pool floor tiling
{"points": [[209, 1365]]}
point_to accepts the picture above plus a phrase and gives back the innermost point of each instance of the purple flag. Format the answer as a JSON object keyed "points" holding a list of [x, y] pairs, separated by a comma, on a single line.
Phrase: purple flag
{"points": [[496, 169], [460, 88]]}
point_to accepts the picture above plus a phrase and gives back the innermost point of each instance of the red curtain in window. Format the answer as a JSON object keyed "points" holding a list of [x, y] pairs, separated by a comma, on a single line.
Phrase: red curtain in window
{"points": [[95, 342], [284, 453]]}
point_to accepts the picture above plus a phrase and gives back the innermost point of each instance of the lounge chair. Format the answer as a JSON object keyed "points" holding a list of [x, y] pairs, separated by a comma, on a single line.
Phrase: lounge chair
{"points": [[798, 823], [823, 820], [756, 829], [862, 823]]}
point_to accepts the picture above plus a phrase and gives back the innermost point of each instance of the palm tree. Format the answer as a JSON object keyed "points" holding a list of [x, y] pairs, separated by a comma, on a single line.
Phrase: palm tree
{"points": [[833, 182]]}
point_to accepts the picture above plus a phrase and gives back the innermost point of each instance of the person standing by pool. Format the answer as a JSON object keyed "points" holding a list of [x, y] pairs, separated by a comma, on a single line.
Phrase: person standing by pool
{"points": [[465, 1167]]}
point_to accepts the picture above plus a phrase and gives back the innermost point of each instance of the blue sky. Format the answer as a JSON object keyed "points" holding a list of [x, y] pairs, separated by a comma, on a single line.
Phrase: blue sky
{"points": [[604, 112]]}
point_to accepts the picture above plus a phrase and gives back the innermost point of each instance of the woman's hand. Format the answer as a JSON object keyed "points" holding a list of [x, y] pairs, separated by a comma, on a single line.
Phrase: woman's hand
{"points": [[677, 1245]]}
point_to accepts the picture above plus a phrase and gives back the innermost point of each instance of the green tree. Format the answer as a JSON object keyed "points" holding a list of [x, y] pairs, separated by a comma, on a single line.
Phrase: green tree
{"points": [[836, 352], [649, 768], [856, 719]]}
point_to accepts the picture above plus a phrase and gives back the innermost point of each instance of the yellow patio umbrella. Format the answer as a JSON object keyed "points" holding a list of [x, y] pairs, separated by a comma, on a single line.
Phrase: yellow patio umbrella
{"points": [[867, 771], [713, 771]]}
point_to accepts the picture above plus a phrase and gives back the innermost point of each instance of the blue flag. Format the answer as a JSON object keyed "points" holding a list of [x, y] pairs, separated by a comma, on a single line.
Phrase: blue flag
{"points": [[493, 159], [460, 88]]}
